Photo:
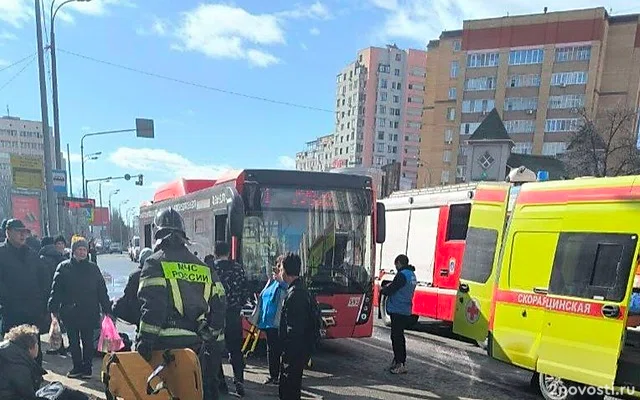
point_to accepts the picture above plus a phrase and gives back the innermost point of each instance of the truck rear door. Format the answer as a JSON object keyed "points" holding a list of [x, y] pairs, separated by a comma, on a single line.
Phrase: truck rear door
{"points": [[484, 237]]}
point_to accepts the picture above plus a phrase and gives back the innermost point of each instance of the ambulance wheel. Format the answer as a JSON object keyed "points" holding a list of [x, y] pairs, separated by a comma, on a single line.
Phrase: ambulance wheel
{"points": [[386, 318], [553, 388]]}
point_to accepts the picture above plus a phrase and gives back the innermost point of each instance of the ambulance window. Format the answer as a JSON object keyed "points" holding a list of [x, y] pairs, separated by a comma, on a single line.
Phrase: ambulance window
{"points": [[458, 221], [199, 225], [478, 254], [593, 264]]}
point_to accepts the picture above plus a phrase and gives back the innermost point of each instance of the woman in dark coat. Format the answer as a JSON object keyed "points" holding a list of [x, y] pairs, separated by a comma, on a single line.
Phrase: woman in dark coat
{"points": [[79, 296]]}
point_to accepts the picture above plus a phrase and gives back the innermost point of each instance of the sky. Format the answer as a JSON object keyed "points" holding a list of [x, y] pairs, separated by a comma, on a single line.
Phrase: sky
{"points": [[229, 85]]}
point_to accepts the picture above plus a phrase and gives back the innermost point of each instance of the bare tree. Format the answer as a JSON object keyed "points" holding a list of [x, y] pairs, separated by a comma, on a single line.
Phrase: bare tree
{"points": [[604, 146]]}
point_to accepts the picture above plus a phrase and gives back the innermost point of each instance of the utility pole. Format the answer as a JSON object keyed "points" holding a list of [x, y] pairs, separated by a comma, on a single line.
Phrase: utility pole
{"points": [[50, 197]]}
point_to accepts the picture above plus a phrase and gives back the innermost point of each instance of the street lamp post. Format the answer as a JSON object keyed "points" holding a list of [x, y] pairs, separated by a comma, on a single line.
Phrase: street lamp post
{"points": [[112, 193], [83, 159], [54, 78], [121, 219], [144, 129]]}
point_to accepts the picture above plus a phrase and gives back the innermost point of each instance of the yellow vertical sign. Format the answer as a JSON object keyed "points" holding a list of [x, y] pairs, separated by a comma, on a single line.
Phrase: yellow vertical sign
{"points": [[27, 172]]}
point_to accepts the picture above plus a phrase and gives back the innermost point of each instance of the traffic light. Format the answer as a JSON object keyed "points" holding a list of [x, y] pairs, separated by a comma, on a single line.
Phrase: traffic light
{"points": [[127, 177], [139, 182]]}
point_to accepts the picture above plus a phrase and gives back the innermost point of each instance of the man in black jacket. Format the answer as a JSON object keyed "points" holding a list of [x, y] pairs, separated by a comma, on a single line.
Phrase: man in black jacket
{"points": [[51, 256], [20, 374], [23, 282], [237, 292], [296, 329]]}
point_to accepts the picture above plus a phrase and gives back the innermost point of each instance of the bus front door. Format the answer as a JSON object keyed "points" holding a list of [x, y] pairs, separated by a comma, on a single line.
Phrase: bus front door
{"points": [[484, 237]]}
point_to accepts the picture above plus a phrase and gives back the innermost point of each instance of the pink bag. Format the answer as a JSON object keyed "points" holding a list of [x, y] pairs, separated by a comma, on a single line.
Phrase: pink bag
{"points": [[110, 339]]}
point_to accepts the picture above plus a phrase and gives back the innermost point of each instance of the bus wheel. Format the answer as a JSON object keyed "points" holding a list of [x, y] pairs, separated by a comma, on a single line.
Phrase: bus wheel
{"points": [[386, 318]]}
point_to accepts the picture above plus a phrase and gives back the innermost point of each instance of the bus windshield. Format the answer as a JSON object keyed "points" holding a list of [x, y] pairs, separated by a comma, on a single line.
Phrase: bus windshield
{"points": [[327, 228]]}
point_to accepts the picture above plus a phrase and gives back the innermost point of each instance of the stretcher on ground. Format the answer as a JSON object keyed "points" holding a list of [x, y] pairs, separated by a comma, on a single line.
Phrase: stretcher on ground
{"points": [[170, 375]]}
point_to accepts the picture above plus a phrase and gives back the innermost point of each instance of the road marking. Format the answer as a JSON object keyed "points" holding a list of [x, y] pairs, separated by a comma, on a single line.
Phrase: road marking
{"points": [[450, 371]]}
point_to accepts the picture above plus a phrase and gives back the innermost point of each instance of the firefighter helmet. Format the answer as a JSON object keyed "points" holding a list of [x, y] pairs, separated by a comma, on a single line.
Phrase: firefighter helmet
{"points": [[167, 222]]}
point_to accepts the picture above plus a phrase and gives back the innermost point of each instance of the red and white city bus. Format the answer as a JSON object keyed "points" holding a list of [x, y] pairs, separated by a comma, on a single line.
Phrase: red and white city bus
{"points": [[332, 220], [430, 227]]}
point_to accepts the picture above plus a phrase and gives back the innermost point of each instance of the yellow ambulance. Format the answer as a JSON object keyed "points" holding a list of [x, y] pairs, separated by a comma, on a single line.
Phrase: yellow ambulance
{"points": [[546, 285]]}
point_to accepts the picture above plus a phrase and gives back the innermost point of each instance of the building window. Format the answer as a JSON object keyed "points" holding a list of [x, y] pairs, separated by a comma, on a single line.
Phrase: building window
{"points": [[468, 128], [520, 103], [448, 136], [444, 177], [455, 66], [416, 112], [394, 111], [574, 53], [446, 156], [414, 125], [382, 122], [451, 113], [419, 72], [396, 72], [553, 148], [416, 86], [457, 45], [383, 96], [380, 147], [453, 93], [381, 110], [383, 83], [566, 101], [480, 83], [398, 57], [520, 126], [416, 99], [479, 60], [486, 160], [478, 105], [561, 125], [529, 80], [522, 148], [380, 135], [569, 78], [396, 99], [524, 57], [384, 68], [460, 171]]}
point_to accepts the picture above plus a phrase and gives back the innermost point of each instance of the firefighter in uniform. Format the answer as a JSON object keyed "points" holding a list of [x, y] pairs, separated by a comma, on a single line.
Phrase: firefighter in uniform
{"points": [[183, 301]]}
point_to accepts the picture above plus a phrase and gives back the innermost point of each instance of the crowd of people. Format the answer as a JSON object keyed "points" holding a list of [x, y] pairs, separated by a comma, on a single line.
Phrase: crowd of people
{"points": [[170, 310]]}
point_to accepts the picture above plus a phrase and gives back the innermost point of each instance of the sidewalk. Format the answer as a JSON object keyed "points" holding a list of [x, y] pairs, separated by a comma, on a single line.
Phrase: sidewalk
{"points": [[58, 366]]}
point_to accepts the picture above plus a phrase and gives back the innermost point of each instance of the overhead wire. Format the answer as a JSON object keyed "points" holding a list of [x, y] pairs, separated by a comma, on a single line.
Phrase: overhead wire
{"points": [[13, 64], [195, 84], [17, 73]]}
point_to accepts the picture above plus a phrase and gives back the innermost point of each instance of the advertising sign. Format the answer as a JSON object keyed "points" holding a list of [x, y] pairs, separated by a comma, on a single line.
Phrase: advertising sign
{"points": [[59, 181], [101, 216], [27, 209], [27, 172]]}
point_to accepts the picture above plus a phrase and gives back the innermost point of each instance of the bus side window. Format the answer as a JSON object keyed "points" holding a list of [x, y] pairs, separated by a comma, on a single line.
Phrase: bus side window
{"points": [[221, 227], [458, 222], [589, 265], [147, 236]]}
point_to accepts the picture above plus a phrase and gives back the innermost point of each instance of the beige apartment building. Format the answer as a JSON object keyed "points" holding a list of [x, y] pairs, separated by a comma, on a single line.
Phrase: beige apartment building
{"points": [[538, 71]]}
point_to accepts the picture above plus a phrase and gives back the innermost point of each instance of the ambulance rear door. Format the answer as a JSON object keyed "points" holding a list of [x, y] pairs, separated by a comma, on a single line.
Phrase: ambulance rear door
{"points": [[484, 237], [587, 302]]}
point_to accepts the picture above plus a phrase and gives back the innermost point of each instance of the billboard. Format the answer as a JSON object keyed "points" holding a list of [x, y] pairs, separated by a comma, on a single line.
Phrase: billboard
{"points": [[27, 209], [27, 172], [100, 216]]}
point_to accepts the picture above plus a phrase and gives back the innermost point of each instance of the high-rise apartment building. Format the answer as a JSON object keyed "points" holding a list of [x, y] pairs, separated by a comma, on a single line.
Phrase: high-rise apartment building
{"points": [[379, 101], [538, 71], [21, 137], [317, 155]]}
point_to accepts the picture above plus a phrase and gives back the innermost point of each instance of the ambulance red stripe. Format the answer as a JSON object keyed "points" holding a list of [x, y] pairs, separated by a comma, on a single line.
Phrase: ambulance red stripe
{"points": [[552, 303], [578, 195], [492, 195]]}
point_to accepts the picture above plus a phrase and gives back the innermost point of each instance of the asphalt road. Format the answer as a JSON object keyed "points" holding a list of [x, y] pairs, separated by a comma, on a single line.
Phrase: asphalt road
{"points": [[440, 366]]}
